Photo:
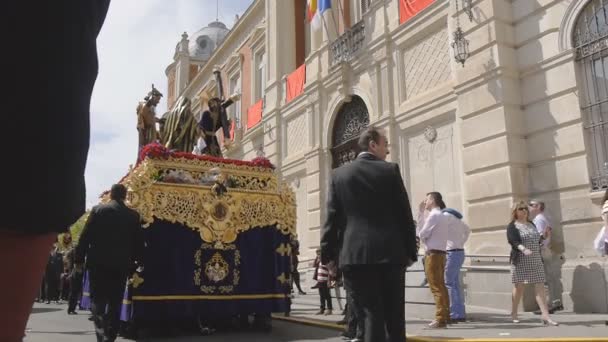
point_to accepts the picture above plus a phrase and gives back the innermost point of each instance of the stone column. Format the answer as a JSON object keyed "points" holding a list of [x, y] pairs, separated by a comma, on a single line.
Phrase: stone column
{"points": [[280, 49], [182, 66], [490, 123]]}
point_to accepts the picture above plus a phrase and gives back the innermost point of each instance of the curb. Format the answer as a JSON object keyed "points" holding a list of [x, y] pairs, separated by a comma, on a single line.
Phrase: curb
{"points": [[413, 338]]}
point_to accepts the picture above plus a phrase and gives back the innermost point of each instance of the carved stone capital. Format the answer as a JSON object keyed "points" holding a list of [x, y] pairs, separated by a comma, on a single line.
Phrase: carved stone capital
{"points": [[313, 97], [380, 54]]}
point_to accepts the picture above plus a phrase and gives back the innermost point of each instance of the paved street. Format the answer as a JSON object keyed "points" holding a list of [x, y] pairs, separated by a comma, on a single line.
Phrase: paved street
{"points": [[482, 323], [50, 323]]}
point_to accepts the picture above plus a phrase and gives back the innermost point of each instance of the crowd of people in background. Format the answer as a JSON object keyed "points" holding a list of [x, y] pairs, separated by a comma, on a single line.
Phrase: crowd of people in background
{"points": [[62, 278]]}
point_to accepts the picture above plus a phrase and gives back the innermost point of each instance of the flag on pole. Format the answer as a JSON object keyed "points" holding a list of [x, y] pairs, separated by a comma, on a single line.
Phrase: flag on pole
{"points": [[315, 9]]}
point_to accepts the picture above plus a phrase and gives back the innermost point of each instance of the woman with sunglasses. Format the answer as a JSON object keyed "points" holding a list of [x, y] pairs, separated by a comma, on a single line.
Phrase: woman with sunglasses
{"points": [[526, 261]]}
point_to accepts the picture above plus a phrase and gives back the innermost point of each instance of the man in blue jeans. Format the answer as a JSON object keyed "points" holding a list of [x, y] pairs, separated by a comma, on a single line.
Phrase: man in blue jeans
{"points": [[458, 235]]}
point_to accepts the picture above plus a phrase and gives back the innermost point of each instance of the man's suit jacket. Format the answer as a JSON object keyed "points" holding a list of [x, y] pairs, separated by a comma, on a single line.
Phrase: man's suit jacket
{"points": [[112, 238], [369, 218]]}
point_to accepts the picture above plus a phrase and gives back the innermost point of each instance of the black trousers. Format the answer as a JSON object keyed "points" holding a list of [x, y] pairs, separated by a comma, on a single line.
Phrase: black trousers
{"points": [[354, 327], [107, 290], [378, 294], [75, 290], [325, 296], [295, 278], [52, 287]]}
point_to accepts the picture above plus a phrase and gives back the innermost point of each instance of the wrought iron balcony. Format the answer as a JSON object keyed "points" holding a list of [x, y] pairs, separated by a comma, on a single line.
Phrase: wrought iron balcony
{"points": [[346, 47]]}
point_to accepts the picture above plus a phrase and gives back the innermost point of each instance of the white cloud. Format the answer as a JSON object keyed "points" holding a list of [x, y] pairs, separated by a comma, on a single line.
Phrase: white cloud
{"points": [[135, 46]]}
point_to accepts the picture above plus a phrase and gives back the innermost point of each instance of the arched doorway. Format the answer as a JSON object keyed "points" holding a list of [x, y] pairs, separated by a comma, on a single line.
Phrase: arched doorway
{"points": [[352, 119]]}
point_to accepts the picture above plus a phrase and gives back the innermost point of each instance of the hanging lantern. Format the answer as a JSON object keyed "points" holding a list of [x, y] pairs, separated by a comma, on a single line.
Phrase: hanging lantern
{"points": [[460, 46], [467, 6]]}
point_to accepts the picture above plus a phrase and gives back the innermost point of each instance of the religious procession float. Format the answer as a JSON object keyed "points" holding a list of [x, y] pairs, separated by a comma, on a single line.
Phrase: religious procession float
{"points": [[218, 231]]}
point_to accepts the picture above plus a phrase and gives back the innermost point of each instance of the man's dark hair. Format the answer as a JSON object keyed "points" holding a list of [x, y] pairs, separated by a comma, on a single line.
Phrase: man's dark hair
{"points": [[118, 192], [437, 198], [371, 133]]}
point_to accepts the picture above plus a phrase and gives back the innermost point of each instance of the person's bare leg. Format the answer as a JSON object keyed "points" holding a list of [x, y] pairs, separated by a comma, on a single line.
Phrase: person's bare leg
{"points": [[539, 290], [518, 292], [23, 259]]}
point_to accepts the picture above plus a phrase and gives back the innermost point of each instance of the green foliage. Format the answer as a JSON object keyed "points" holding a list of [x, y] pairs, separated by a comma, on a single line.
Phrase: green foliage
{"points": [[76, 228]]}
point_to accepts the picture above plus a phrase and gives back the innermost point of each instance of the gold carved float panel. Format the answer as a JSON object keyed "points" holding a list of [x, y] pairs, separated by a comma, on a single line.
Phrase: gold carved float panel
{"points": [[218, 200]]}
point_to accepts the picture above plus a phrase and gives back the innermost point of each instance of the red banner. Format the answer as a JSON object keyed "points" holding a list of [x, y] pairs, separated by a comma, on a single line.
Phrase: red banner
{"points": [[220, 134], [409, 8], [254, 114], [295, 83]]}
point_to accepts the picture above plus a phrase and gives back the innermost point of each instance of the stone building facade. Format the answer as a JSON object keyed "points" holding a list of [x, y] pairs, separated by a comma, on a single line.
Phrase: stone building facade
{"points": [[524, 118]]}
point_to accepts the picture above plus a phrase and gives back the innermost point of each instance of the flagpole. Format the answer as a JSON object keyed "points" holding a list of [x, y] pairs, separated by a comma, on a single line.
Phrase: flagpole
{"points": [[325, 25], [333, 17], [342, 12]]}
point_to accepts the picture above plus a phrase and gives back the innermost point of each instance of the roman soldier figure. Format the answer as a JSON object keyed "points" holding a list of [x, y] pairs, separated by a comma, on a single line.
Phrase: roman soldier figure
{"points": [[146, 118]]}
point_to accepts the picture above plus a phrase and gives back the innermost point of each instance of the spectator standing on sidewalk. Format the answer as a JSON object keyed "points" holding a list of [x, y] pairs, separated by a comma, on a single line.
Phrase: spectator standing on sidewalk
{"points": [[458, 235], [295, 275], [434, 235], [321, 275], [526, 261], [600, 244], [550, 259]]}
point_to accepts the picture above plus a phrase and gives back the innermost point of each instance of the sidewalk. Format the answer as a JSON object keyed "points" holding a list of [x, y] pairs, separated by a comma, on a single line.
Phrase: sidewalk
{"points": [[483, 325]]}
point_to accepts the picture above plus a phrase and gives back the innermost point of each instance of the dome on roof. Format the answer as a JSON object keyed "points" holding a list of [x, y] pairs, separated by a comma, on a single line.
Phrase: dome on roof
{"points": [[203, 42]]}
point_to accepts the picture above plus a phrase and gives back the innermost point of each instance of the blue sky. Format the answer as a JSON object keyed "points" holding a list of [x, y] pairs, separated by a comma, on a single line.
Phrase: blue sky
{"points": [[135, 46]]}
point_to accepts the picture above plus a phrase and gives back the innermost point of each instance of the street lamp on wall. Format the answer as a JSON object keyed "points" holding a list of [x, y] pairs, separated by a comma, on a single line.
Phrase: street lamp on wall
{"points": [[460, 44]]}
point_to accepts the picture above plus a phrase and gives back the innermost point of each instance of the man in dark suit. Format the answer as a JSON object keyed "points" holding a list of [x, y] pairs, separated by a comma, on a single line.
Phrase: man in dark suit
{"points": [[112, 243], [370, 232]]}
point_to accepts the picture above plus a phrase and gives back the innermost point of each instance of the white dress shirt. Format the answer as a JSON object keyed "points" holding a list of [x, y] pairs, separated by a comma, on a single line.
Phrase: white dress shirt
{"points": [[434, 233], [458, 232], [542, 224]]}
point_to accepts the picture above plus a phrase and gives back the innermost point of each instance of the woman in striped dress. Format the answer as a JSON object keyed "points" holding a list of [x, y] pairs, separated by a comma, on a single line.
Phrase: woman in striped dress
{"points": [[526, 261]]}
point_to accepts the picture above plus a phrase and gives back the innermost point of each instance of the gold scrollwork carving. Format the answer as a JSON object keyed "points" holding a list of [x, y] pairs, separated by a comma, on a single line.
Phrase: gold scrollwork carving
{"points": [[284, 249], [216, 269], [258, 200], [283, 279], [136, 280]]}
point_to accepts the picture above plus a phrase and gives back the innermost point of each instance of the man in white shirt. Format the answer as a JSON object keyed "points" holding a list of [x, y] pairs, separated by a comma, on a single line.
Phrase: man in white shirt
{"points": [[434, 235], [458, 235], [543, 226]]}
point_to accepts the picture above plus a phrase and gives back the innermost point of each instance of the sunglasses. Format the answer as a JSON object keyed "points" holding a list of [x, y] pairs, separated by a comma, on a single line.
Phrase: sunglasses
{"points": [[522, 209]]}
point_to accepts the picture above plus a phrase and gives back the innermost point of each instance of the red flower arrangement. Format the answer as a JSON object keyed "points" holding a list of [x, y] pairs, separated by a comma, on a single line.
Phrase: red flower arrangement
{"points": [[158, 151]]}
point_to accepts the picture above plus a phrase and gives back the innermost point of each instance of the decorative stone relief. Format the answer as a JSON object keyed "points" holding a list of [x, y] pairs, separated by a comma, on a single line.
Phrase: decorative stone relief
{"points": [[433, 164], [426, 64], [297, 134], [430, 134]]}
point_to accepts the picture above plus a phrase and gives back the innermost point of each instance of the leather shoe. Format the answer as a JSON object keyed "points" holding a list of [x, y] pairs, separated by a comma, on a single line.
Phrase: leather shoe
{"points": [[346, 336], [436, 325]]}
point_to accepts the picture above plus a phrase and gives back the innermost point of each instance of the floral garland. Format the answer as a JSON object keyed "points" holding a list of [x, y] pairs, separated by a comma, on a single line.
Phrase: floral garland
{"points": [[158, 151]]}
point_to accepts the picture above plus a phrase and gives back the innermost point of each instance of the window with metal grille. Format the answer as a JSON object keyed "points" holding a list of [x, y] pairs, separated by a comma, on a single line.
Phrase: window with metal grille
{"points": [[591, 42]]}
